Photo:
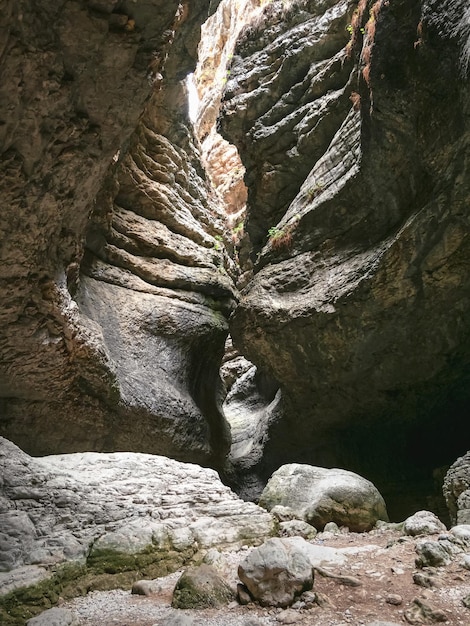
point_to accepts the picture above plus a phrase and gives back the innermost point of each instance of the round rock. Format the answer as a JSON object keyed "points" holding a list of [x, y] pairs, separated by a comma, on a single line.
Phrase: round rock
{"points": [[276, 573], [201, 587], [318, 496], [423, 523]]}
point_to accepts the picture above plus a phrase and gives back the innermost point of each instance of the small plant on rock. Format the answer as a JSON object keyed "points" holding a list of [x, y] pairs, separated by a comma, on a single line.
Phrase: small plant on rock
{"points": [[280, 237], [315, 189], [218, 242]]}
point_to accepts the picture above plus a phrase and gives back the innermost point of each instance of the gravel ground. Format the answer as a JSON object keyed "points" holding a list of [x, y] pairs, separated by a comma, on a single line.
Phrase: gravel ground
{"points": [[387, 593]]}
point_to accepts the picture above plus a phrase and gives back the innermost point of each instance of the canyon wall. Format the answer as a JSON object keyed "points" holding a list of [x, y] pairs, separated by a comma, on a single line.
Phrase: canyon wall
{"points": [[115, 285], [352, 122], [118, 271]]}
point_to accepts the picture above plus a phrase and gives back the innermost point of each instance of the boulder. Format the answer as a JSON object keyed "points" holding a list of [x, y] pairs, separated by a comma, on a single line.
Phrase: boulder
{"points": [[318, 496], [297, 528], [200, 588], [117, 512], [146, 587], [456, 490], [432, 554], [423, 523], [276, 573], [461, 534], [54, 617], [421, 612]]}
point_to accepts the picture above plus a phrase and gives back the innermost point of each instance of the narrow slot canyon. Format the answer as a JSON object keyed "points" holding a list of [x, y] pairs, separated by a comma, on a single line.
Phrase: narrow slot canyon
{"points": [[234, 244]]}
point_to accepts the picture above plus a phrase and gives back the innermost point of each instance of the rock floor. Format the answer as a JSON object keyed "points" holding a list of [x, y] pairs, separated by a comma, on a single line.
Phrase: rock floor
{"points": [[387, 592]]}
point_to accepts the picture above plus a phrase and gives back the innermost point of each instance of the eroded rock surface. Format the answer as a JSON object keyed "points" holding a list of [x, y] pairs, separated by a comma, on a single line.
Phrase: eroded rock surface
{"points": [[456, 490], [113, 513], [354, 149], [115, 292], [276, 572]]}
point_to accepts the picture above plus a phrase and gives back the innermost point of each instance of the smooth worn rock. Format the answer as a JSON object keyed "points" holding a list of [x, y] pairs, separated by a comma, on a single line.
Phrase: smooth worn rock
{"points": [[251, 404], [394, 598], [288, 617], [115, 291], [318, 496], [465, 562], [423, 523], [276, 573], [200, 588], [297, 528], [107, 509], [146, 588], [461, 533], [331, 527], [55, 617]]}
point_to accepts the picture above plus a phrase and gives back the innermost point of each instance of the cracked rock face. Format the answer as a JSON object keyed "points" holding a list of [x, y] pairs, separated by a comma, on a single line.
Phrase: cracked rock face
{"points": [[115, 292], [354, 149]]}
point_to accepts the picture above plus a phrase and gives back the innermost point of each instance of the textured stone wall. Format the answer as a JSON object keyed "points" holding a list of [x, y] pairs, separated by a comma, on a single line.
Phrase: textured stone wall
{"points": [[353, 128], [115, 291]]}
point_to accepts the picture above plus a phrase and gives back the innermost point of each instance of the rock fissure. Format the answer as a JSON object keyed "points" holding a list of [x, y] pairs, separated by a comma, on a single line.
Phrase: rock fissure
{"points": [[315, 213]]}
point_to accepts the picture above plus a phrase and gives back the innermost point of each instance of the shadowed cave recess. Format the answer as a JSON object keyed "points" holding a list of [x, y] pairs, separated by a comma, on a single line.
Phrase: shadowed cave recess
{"points": [[283, 278]]}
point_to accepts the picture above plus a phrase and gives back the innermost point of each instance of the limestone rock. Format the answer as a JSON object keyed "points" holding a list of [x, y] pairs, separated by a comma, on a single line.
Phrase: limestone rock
{"points": [[357, 298], [297, 528], [423, 523], [421, 612], [250, 407], [461, 533], [432, 554], [276, 572], [427, 580], [114, 512], [318, 496], [146, 588], [54, 617], [116, 292], [456, 489], [200, 588]]}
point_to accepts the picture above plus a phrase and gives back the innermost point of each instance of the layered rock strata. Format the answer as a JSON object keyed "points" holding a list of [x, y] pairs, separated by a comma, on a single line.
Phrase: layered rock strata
{"points": [[115, 285], [114, 517], [352, 122]]}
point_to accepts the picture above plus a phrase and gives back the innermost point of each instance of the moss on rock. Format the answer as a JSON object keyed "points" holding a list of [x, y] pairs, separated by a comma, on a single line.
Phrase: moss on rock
{"points": [[104, 570]]}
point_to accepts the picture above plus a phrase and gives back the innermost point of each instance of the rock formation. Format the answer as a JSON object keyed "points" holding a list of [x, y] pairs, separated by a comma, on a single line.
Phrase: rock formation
{"points": [[352, 122], [319, 496], [351, 119], [457, 490], [111, 518], [276, 572], [115, 290]]}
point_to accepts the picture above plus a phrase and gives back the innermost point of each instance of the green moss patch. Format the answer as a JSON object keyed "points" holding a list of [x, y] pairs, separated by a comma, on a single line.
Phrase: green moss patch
{"points": [[104, 570]]}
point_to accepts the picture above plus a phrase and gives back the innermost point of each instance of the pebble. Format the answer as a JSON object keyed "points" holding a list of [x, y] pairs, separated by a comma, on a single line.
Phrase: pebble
{"points": [[288, 617], [394, 598]]}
